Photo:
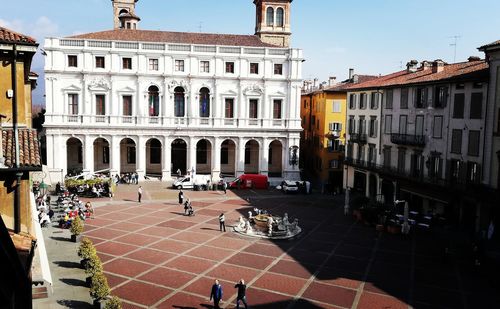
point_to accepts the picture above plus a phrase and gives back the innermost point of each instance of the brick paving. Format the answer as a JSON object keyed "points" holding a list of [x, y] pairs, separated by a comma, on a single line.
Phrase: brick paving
{"points": [[155, 257]]}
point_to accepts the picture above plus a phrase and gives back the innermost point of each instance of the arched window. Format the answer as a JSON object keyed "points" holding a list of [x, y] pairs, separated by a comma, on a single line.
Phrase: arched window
{"points": [[270, 16], [204, 102], [280, 17], [179, 101], [154, 101]]}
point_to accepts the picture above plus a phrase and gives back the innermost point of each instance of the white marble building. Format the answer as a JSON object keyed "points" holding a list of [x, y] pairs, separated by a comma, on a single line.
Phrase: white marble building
{"points": [[155, 102]]}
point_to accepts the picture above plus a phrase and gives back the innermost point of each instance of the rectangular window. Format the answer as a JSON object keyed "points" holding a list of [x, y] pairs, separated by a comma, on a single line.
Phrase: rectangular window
{"points": [[419, 125], [456, 170], [254, 68], [362, 125], [276, 109], [247, 155], [253, 109], [458, 106], [371, 153], [205, 66], [362, 101], [153, 64], [105, 154], [456, 141], [335, 126], [421, 97], [278, 69], [100, 105], [404, 98], [72, 61], [437, 131], [352, 125], [435, 165], [349, 150], [99, 62], [352, 101], [179, 65], [230, 67], [440, 96], [476, 105], [388, 99], [337, 106], [372, 131], [130, 154], [474, 139], [374, 100], [224, 155], [401, 160], [127, 63], [387, 156], [403, 123], [417, 164], [127, 105], [388, 124], [473, 172], [73, 104], [229, 108], [334, 163]]}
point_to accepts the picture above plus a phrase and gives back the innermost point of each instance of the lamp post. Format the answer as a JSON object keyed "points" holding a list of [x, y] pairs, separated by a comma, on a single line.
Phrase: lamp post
{"points": [[405, 228], [1, 141]]}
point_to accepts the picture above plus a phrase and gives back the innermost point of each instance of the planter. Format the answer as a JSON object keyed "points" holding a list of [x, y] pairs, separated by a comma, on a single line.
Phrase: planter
{"points": [[88, 281], [83, 263], [76, 238]]}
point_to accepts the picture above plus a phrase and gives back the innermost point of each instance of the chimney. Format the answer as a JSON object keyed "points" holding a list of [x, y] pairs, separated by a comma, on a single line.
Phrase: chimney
{"points": [[438, 66], [351, 73], [332, 80], [474, 58], [411, 67], [355, 78], [315, 83], [425, 65]]}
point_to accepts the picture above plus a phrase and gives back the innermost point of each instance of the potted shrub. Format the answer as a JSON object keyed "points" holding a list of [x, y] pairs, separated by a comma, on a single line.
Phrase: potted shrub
{"points": [[93, 267], [99, 289], [76, 228], [85, 251], [113, 303]]}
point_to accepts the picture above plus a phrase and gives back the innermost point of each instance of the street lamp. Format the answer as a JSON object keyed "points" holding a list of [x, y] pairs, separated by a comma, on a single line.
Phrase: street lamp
{"points": [[405, 228]]}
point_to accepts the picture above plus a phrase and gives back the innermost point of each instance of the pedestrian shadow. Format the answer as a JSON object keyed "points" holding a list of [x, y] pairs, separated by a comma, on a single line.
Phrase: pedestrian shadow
{"points": [[66, 264], [129, 200], [58, 238], [208, 229], [74, 282], [178, 213], [182, 307], [74, 304]]}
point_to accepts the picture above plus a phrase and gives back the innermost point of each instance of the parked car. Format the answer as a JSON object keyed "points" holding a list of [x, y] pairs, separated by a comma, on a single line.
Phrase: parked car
{"points": [[250, 181], [289, 186], [189, 182]]}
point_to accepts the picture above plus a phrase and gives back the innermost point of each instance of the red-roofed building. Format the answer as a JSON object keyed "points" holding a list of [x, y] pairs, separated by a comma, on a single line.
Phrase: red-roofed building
{"points": [[429, 148], [156, 103]]}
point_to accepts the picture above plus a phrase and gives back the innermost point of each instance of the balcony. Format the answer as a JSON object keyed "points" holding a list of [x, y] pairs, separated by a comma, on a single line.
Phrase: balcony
{"points": [[358, 138], [407, 139], [333, 135]]}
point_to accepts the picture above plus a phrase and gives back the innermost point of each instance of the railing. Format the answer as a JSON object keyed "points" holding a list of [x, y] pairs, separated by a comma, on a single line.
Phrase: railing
{"points": [[358, 138], [408, 139], [101, 119]]}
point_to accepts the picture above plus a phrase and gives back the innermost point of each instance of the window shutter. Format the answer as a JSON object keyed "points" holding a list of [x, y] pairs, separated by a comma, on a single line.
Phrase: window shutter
{"points": [[448, 170], [463, 172], [375, 130], [415, 97], [340, 127], [431, 92], [412, 164], [440, 169]]}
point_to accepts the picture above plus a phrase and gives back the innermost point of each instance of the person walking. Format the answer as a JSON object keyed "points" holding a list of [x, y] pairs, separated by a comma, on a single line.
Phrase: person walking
{"points": [[139, 194], [242, 290], [181, 197], [224, 186], [216, 294], [222, 222]]}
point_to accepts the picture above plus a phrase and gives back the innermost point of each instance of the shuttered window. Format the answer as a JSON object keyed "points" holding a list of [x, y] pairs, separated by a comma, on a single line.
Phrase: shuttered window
{"points": [[388, 124], [437, 131], [458, 106], [404, 98], [388, 99], [473, 149], [352, 101], [100, 105], [476, 105], [456, 141]]}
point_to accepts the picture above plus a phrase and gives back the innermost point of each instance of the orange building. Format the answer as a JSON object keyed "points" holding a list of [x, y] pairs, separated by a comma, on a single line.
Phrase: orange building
{"points": [[19, 155]]}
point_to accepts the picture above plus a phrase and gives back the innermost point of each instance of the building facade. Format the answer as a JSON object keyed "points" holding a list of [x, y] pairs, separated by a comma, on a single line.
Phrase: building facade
{"points": [[429, 148], [157, 102]]}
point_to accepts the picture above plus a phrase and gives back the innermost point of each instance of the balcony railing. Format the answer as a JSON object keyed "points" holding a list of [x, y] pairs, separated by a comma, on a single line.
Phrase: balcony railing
{"points": [[408, 139], [358, 138]]}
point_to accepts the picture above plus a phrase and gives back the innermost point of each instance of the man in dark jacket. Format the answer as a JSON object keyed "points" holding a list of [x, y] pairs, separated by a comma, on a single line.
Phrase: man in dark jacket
{"points": [[242, 290], [216, 294]]}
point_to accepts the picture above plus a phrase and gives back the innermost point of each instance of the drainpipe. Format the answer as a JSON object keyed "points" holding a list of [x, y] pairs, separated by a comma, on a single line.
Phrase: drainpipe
{"points": [[17, 197]]}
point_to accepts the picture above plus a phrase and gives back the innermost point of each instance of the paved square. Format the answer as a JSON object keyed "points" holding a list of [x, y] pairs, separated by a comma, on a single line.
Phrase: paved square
{"points": [[157, 258]]}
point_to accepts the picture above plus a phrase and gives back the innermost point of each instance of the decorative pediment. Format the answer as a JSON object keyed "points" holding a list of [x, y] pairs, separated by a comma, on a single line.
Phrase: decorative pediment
{"points": [[177, 83], [72, 88], [253, 90], [230, 93], [99, 84], [278, 94], [127, 89]]}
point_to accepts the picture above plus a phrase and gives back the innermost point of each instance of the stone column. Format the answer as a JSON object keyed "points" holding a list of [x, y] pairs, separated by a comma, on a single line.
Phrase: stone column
{"points": [[141, 157], [88, 155], [191, 154], [166, 173], [49, 145], [240, 157], [115, 155], [264, 157], [216, 169], [61, 156]]}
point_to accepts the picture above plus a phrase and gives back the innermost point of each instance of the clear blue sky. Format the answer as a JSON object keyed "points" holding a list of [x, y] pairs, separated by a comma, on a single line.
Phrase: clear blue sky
{"points": [[371, 36]]}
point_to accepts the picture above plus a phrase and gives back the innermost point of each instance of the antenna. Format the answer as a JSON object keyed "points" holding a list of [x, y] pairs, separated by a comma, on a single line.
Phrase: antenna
{"points": [[454, 44], [200, 26]]}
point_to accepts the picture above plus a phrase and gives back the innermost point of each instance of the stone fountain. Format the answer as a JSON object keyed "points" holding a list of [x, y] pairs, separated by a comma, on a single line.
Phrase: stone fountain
{"points": [[267, 226]]}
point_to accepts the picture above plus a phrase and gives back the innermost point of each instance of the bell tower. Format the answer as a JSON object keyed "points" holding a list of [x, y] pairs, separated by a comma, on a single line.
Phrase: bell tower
{"points": [[273, 21], [124, 14]]}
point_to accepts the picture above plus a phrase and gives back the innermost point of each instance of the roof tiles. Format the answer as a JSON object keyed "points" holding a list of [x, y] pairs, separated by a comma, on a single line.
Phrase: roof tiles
{"points": [[9, 36], [29, 151], [175, 37]]}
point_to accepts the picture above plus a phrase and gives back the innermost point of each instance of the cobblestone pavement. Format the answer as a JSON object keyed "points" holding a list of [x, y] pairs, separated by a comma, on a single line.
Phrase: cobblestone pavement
{"points": [[155, 257]]}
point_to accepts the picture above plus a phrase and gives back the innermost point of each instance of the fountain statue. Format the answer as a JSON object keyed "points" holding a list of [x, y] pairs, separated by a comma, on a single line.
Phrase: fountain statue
{"points": [[241, 223], [265, 225], [270, 222], [248, 228]]}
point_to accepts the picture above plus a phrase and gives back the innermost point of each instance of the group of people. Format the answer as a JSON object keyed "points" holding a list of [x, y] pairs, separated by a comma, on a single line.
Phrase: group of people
{"points": [[216, 293], [188, 207], [127, 178]]}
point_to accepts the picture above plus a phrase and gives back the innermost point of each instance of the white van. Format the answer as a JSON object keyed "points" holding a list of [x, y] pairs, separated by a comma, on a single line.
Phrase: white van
{"points": [[188, 182]]}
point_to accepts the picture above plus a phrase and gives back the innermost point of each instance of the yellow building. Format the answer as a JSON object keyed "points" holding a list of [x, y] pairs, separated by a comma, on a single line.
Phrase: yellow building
{"points": [[323, 114], [19, 155]]}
